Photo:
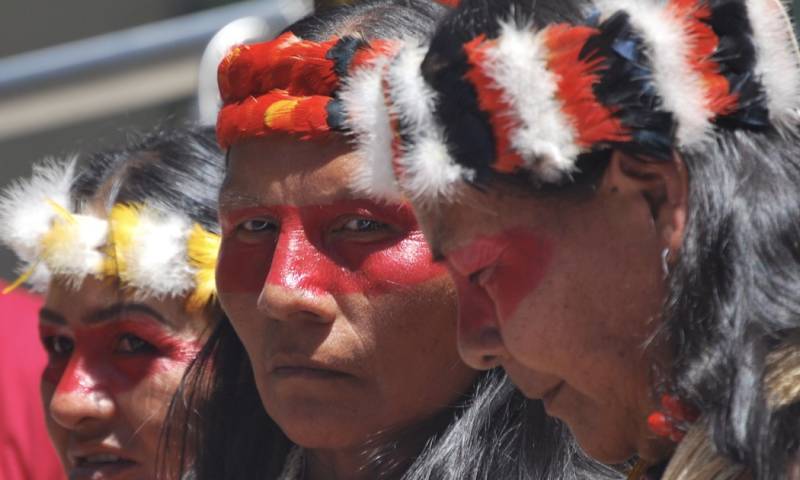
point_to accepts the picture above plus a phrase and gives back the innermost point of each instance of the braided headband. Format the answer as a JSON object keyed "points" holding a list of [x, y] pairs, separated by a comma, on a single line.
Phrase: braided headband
{"points": [[646, 77], [289, 85], [154, 253]]}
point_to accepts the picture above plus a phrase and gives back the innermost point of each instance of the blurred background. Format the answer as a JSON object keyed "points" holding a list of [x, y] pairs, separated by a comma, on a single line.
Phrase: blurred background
{"points": [[76, 76]]}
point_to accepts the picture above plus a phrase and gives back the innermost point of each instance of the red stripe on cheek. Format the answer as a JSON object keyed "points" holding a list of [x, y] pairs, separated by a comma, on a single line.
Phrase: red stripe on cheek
{"points": [[515, 260], [475, 308], [406, 263], [520, 270], [242, 267]]}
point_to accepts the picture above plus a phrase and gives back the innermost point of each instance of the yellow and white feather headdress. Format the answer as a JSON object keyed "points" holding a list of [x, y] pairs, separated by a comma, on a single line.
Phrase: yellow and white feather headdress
{"points": [[152, 252]]}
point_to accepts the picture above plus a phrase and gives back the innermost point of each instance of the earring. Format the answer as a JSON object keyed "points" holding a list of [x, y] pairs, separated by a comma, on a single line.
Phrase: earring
{"points": [[674, 418], [664, 262]]}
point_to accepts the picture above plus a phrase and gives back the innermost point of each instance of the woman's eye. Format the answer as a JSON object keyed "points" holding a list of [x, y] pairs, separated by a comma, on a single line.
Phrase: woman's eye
{"points": [[58, 345], [257, 225], [481, 277], [129, 343], [364, 225]]}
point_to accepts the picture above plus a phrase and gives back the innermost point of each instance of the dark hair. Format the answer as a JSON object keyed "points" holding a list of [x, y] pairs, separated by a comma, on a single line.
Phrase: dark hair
{"points": [[733, 294], [176, 170], [218, 428]]}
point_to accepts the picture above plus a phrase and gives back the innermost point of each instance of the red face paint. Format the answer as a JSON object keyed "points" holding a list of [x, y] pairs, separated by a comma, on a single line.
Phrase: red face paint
{"points": [[98, 359], [306, 251], [511, 265], [475, 307]]}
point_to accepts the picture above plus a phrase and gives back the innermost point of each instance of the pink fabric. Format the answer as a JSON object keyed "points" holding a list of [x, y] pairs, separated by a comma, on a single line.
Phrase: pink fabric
{"points": [[25, 449]]}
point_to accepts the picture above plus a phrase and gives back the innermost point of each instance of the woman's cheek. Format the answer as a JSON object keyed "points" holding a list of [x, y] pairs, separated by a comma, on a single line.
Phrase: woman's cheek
{"points": [[137, 368], [242, 267], [405, 264], [519, 272]]}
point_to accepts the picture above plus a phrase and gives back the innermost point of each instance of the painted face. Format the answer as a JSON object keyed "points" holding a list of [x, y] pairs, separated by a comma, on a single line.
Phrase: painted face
{"points": [[564, 294], [114, 364], [348, 323]]}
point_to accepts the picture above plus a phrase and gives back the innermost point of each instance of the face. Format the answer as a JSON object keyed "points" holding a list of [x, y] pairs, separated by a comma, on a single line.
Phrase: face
{"points": [[348, 324], [565, 295], [114, 364]]}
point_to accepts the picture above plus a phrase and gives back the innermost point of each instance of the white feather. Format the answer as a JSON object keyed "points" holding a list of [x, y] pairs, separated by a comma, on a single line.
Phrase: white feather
{"points": [[777, 63], [78, 255], [668, 47], [545, 137], [428, 172], [39, 279], [157, 263], [368, 121], [25, 211]]}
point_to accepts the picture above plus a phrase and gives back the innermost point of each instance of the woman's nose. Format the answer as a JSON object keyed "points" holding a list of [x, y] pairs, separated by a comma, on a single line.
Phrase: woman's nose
{"points": [[80, 400], [479, 341], [298, 284]]}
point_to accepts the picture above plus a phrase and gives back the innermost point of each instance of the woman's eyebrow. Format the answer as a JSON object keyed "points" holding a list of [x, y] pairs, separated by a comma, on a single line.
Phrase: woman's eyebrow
{"points": [[114, 311], [47, 315], [235, 200]]}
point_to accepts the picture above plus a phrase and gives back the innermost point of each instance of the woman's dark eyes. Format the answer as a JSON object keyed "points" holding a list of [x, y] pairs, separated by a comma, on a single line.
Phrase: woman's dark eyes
{"points": [[58, 345], [130, 344], [257, 225], [363, 225], [481, 277]]}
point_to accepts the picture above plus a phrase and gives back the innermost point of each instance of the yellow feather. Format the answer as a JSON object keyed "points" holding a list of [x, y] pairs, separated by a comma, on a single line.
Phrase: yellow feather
{"points": [[61, 233], [203, 249], [61, 211], [20, 280], [123, 222], [279, 113]]}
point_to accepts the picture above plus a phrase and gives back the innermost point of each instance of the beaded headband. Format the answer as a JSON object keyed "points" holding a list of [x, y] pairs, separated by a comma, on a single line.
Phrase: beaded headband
{"points": [[646, 77], [154, 253]]}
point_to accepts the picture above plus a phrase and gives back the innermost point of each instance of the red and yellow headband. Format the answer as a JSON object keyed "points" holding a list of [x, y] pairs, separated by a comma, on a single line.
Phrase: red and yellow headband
{"points": [[289, 85]]}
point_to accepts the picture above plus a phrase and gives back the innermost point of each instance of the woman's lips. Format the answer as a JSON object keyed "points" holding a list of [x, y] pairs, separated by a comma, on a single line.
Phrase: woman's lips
{"points": [[306, 373], [103, 466], [304, 368]]}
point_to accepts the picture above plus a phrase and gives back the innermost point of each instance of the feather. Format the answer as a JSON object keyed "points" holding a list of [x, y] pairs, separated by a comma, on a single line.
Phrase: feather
{"points": [[71, 248], [668, 49], [429, 173], [203, 250], [368, 123], [150, 249], [776, 58], [26, 214]]}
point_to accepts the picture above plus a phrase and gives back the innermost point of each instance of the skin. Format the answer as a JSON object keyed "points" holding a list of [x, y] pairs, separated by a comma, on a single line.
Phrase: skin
{"points": [[566, 293], [348, 323], [114, 364]]}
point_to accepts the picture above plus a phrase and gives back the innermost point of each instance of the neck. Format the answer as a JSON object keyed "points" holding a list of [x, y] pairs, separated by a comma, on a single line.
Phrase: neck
{"points": [[385, 456]]}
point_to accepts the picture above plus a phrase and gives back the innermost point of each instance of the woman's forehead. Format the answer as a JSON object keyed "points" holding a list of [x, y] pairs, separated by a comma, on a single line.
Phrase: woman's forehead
{"points": [[103, 300], [268, 172]]}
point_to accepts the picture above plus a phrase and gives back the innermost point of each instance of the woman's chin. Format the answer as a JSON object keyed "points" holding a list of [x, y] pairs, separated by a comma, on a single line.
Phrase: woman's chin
{"points": [[315, 425]]}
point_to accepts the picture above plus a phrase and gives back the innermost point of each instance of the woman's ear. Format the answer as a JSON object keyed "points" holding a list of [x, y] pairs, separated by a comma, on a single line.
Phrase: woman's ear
{"points": [[663, 184]]}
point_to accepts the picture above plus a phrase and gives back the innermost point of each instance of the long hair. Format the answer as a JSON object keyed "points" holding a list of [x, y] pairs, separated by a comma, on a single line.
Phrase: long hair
{"points": [[733, 293], [218, 428]]}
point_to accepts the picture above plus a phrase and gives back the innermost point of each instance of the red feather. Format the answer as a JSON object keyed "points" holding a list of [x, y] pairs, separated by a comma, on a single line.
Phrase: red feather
{"points": [[490, 100], [593, 122], [307, 116], [703, 43]]}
